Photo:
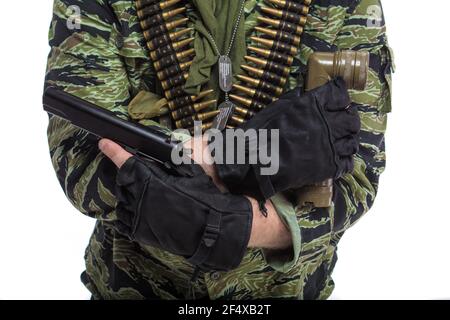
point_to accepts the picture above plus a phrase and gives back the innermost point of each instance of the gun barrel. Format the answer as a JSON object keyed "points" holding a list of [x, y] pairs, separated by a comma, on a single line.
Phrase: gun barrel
{"points": [[136, 138]]}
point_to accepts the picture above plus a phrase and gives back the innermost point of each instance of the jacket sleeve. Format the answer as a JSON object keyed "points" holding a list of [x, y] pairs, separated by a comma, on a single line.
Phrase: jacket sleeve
{"points": [[84, 61], [354, 194]]}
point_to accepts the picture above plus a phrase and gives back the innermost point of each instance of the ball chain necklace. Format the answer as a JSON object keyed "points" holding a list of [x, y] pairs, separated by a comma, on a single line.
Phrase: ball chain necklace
{"points": [[226, 108]]}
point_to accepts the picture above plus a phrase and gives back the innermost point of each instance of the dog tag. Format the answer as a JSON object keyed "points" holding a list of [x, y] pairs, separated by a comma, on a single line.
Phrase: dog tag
{"points": [[226, 110], [225, 74]]}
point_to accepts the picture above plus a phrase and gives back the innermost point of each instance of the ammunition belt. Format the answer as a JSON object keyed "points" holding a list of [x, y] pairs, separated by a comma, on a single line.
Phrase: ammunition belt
{"points": [[167, 36], [280, 28]]}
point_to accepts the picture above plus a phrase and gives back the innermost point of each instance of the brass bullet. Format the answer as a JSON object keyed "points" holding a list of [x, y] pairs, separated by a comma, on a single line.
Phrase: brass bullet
{"points": [[244, 112], [238, 120], [282, 25], [182, 113], [189, 121], [261, 85], [163, 17], [143, 3], [180, 102], [173, 70], [204, 127], [292, 6], [174, 92], [183, 101], [273, 55], [203, 105], [285, 15], [180, 44], [163, 27], [269, 65], [276, 45], [172, 59], [280, 35], [265, 75], [253, 93], [164, 39], [192, 109], [174, 81], [203, 94], [169, 49], [247, 102], [264, 97], [156, 8]]}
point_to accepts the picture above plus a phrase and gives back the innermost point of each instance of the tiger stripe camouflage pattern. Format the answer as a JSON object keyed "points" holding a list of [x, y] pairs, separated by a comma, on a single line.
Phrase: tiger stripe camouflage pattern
{"points": [[106, 62]]}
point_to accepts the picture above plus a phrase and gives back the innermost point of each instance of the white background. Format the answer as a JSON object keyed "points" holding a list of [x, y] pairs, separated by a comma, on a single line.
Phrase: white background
{"points": [[400, 250]]}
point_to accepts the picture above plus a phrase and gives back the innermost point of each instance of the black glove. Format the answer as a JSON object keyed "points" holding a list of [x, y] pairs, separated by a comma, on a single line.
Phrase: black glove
{"points": [[318, 133], [189, 217]]}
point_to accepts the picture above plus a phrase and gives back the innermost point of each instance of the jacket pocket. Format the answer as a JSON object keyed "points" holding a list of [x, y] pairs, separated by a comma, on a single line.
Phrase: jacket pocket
{"points": [[387, 69]]}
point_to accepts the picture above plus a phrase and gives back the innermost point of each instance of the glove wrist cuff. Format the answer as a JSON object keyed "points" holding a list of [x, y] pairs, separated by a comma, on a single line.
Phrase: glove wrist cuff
{"points": [[224, 241], [208, 240]]}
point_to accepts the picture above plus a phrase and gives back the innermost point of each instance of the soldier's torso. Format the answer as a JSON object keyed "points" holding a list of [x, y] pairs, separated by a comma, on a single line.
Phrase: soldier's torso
{"points": [[118, 268]]}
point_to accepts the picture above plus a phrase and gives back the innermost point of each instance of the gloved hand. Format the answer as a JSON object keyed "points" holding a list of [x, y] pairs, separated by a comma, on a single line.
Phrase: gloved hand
{"points": [[318, 133], [185, 216]]}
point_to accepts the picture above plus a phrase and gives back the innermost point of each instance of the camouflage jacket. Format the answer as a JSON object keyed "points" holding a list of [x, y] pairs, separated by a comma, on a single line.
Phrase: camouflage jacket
{"points": [[105, 60]]}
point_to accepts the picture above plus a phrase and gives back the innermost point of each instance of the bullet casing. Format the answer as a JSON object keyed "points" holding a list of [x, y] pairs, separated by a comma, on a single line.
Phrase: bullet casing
{"points": [[183, 113], [189, 121], [172, 59], [244, 112], [143, 3], [173, 70], [266, 75], [285, 15], [185, 100], [261, 96], [180, 102], [282, 25], [204, 127], [164, 39], [250, 103], [154, 9], [269, 65], [169, 49], [282, 36], [273, 55], [292, 6], [261, 85], [161, 18], [174, 92], [237, 120], [264, 97], [155, 31], [276, 45], [174, 81], [191, 109]]}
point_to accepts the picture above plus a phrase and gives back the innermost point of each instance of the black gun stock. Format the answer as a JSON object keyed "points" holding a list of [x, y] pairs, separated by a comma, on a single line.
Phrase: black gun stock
{"points": [[139, 140]]}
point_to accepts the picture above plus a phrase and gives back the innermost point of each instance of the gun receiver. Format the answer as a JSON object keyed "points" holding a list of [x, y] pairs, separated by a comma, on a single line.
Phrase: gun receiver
{"points": [[353, 67], [140, 140]]}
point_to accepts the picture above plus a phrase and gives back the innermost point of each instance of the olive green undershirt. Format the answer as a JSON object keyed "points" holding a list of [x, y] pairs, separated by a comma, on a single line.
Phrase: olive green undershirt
{"points": [[219, 18]]}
